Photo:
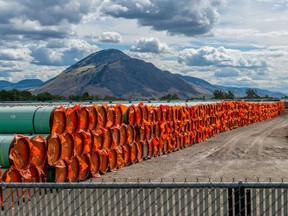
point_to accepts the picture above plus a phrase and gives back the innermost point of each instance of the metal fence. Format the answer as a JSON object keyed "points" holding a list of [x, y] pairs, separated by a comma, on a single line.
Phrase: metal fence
{"points": [[144, 198]]}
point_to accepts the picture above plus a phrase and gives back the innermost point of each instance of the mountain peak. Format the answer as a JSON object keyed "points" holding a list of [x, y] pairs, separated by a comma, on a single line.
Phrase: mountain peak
{"points": [[112, 73], [103, 57]]}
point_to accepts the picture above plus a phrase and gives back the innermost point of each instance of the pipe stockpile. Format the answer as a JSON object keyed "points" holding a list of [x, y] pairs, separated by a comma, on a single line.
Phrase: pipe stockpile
{"points": [[83, 141], [22, 157]]}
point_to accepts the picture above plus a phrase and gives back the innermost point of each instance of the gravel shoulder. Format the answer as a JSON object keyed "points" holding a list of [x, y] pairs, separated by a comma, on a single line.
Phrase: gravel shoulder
{"points": [[248, 153]]}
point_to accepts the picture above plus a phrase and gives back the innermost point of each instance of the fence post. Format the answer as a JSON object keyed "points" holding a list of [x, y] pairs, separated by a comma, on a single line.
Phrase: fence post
{"points": [[239, 195], [1, 198], [248, 199], [230, 201], [237, 200], [243, 206]]}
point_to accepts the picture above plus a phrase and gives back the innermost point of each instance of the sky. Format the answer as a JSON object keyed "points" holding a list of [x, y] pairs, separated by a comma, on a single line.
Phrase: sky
{"points": [[242, 43]]}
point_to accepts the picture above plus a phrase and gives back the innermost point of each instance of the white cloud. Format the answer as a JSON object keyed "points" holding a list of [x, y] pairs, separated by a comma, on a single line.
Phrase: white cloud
{"points": [[59, 54], [16, 54], [109, 37], [220, 56], [7, 64], [227, 72], [150, 45], [245, 79]]}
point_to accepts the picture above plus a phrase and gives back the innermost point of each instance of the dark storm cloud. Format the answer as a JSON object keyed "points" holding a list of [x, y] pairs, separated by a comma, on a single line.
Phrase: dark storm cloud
{"points": [[188, 17]]}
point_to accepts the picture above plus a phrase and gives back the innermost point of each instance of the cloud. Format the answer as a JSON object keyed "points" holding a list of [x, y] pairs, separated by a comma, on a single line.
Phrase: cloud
{"points": [[227, 72], [220, 57], [245, 80], [187, 17], [46, 56], [109, 37], [22, 28], [244, 33], [47, 13], [150, 45], [7, 64], [15, 54], [60, 54], [9, 72], [42, 19]]}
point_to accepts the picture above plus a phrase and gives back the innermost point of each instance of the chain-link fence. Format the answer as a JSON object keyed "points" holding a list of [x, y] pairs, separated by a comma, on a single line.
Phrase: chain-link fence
{"points": [[144, 198]]}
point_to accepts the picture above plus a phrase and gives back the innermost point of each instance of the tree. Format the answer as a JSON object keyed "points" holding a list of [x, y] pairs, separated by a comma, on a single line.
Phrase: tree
{"points": [[45, 96], [86, 96], [230, 95], [218, 94], [74, 97], [15, 95], [251, 94], [170, 97]]}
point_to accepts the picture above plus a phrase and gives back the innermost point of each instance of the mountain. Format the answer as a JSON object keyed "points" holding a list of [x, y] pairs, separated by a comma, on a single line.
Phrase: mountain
{"points": [[241, 92], [207, 88], [4, 84], [21, 85], [28, 84], [200, 85], [113, 73]]}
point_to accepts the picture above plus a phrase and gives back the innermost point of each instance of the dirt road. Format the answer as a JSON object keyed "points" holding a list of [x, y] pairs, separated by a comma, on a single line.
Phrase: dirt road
{"points": [[255, 151]]}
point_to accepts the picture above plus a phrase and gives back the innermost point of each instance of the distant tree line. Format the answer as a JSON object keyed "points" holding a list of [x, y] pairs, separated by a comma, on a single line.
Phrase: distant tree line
{"points": [[16, 95], [250, 94], [170, 97]]}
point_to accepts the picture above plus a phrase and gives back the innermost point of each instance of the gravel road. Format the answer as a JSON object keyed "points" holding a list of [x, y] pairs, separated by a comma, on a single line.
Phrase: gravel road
{"points": [[255, 151]]}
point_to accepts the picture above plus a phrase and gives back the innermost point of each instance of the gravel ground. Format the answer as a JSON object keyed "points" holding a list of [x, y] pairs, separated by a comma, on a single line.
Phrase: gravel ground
{"points": [[248, 153]]}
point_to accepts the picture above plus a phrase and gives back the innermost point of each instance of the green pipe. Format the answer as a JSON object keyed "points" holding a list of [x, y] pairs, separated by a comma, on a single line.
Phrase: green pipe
{"points": [[5, 144], [3, 171], [25, 120], [17, 119], [51, 174], [42, 120]]}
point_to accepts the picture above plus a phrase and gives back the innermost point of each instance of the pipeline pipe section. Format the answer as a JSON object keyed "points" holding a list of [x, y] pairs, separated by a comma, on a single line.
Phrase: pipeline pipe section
{"points": [[74, 143]]}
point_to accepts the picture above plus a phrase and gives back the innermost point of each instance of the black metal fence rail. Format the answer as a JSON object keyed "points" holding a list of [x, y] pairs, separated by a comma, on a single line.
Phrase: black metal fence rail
{"points": [[144, 198]]}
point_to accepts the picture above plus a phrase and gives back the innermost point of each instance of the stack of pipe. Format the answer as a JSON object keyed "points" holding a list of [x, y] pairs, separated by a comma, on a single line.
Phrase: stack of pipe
{"points": [[75, 143], [23, 157]]}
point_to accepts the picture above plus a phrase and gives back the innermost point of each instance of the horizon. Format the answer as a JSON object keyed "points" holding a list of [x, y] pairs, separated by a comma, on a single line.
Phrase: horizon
{"points": [[231, 43]]}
